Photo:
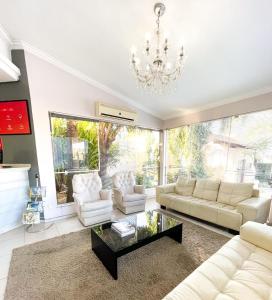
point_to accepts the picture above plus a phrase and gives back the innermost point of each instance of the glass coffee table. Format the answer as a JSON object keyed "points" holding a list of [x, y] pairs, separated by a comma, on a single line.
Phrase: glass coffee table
{"points": [[149, 226]]}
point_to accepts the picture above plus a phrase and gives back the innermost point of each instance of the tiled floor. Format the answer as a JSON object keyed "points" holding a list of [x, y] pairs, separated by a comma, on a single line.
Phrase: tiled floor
{"points": [[19, 237]]}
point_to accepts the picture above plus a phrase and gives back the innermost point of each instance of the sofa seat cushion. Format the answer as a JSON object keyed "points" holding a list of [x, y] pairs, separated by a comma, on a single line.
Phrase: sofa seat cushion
{"points": [[233, 193], [204, 209], [239, 270], [98, 212], [134, 197], [95, 205], [228, 216], [206, 189], [185, 187], [132, 203], [177, 202]]}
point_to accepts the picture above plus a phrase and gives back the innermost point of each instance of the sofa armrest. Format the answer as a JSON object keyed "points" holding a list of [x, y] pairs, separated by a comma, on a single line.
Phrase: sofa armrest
{"points": [[254, 209], [78, 199], [139, 189], [105, 194], [117, 195], [257, 234], [164, 189]]}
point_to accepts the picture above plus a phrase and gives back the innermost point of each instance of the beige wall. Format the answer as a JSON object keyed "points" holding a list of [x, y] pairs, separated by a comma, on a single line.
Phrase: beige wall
{"points": [[253, 104]]}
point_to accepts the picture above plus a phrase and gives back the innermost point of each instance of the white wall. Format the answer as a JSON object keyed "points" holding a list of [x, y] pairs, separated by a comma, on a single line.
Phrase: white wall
{"points": [[52, 89]]}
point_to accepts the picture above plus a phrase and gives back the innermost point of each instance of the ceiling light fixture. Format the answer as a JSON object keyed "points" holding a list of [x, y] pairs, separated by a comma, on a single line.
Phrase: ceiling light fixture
{"points": [[156, 71]]}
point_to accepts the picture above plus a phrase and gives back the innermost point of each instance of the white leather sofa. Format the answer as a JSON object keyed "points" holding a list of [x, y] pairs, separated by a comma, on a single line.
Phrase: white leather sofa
{"points": [[240, 270], [226, 204], [93, 205], [128, 196]]}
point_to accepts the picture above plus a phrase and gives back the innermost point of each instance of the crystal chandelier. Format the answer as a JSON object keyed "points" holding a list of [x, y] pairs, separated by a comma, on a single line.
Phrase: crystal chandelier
{"points": [[156, 71]]}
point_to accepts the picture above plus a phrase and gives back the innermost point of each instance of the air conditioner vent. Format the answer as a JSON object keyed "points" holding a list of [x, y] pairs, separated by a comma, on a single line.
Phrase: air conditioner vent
{"points": [[103, 110]]}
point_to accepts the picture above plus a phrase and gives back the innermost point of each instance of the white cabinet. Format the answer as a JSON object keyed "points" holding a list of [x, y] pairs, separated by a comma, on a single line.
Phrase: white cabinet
{"points": [[14, 186]]}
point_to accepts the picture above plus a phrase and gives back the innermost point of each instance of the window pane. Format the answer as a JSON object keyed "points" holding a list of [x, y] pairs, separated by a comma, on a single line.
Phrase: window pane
{"points": [[250, 154], [199, 150], [135, 149], [75, 150], [209, 148]]}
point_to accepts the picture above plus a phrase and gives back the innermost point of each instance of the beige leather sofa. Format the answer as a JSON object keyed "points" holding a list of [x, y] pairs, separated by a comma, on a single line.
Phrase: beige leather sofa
{"points": [[240, 270], [226, 204]]}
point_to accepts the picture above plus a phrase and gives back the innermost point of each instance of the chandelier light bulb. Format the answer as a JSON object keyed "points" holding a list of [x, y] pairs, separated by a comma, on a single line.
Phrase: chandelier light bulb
{"points": [[147, 36], [133, 50], [157, 72]]}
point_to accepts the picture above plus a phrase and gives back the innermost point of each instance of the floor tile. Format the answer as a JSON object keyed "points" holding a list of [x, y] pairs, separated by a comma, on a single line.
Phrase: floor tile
{"points": [[12, 234], [69, 225], [4, 266], [6, 246], [3, 283], [43, 235]]}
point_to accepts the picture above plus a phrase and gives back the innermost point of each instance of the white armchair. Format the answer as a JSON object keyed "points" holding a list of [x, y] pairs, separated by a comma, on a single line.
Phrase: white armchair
{"points": [[93, 205], [128, 196]]}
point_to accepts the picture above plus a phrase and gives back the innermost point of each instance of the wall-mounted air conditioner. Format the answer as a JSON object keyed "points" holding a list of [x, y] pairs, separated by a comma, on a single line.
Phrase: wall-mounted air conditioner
{"points": [[111, 112]]}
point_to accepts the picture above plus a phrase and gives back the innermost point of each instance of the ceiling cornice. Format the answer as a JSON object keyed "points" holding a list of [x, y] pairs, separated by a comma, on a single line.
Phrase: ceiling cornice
{"points": [[18, 44], [4, 35], [219, 103]]}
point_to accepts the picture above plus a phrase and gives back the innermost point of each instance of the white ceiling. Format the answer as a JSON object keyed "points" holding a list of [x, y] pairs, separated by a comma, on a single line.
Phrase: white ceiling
{"points": [[228, 44]]}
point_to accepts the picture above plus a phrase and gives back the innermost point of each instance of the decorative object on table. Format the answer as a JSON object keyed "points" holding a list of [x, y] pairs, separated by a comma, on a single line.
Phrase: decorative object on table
{"points": [[157, 70], [33, 215], [123, 228], [1, 151]]}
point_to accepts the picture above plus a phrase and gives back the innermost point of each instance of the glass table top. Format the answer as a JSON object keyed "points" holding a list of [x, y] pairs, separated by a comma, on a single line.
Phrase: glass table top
{"points": [[146, 224]]}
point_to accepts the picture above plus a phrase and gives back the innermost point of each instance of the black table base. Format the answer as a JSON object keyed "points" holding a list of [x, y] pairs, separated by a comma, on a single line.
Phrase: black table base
{"points": [[109, 258]]}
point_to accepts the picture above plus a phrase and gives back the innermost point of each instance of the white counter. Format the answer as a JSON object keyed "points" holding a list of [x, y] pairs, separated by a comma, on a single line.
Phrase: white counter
{"points": [[14, 185]]}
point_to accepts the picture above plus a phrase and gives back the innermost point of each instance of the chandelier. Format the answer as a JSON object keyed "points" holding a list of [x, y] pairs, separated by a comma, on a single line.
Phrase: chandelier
{"points": [[156, 70]]}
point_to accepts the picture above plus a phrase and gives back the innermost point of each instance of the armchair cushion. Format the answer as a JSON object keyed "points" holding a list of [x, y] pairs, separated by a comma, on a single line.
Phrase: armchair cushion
{"points": [[185, 187], [87, 186], [95, 205], [206, 189], [233, 193], [124, 181], [134, 197]]}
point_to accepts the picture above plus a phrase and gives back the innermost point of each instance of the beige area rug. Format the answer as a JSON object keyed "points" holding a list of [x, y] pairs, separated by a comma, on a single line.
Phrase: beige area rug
{"points": [[65, 267]]}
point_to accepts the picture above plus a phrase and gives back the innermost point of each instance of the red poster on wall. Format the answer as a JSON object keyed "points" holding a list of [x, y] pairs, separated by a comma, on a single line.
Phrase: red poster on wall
{"points": [[14, 117]]}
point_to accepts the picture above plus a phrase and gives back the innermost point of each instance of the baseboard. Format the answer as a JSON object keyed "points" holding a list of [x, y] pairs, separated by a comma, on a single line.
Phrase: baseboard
{"points": [[59, 218]]}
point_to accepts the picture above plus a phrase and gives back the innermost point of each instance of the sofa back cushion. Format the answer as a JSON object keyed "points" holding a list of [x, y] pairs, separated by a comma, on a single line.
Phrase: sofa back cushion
{"points": [[185, 187], [206, 189], [233, 193]]}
